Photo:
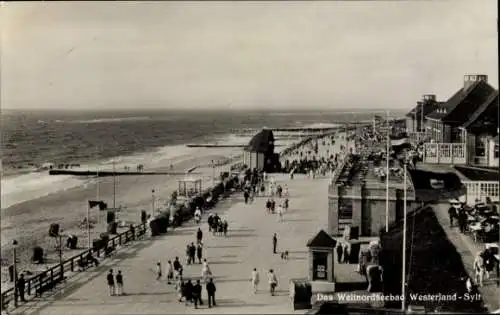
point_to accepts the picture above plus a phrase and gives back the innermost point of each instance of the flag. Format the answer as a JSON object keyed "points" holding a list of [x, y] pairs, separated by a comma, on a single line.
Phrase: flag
{"points": [[432, 186], [101, 204]]}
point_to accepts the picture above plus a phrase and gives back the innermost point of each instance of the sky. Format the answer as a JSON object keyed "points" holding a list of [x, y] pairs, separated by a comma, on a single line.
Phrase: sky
{"points": [[242, 55]]}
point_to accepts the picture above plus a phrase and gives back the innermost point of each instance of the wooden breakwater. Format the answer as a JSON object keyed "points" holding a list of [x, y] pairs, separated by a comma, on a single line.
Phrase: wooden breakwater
{"points": [[110, 174]]}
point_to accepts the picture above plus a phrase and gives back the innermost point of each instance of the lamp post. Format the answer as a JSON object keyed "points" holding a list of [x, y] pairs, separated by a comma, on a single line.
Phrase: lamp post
{"points": [[153, 202], [14, 244], [60, 247], [403, 279], [213, 173]]}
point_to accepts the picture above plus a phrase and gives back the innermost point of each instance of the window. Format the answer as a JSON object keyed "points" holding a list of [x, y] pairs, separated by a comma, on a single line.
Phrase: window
{"points": [[480, 149], [496, 151], [320, 261]]}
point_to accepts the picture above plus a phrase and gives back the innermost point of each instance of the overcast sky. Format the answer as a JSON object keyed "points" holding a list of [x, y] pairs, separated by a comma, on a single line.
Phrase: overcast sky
{"points": [[246, 54]]}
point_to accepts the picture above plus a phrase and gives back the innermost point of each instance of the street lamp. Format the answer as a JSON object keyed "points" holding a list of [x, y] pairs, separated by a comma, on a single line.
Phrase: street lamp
{"points": [[153, 202], [14, 244], [60, 247], [213, 173]]}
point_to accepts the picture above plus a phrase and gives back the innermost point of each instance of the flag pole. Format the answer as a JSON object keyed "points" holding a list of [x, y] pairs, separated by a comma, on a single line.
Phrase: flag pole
{"points": [[387, 176], [403, 279], [114, 185]]}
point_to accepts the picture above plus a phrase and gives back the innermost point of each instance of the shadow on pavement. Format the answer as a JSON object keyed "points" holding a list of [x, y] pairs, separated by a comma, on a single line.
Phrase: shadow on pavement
{"points": [[225, 262], [236, 303]]}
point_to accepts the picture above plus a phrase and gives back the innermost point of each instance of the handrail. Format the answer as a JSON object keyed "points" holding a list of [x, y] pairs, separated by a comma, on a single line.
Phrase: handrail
{"points": [[57, 272]]}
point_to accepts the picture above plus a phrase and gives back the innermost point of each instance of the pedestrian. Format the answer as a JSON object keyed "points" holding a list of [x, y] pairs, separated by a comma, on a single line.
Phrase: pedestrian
{"points": [[179, 288], [188, 254], [158, 270], [220, 228], [211, 293], [263, 189], [286, 204], [170, 272], [346, 253], [452, 213], [188, 293], [280, 212], [192, 253], [199, 252], [197, 294], [255, 280], [268, 205], [205, 271], [273, 206], [119, 283], [246, 195], [21, 284], [225, 226], [339, 253], [177, 268], [275, 243], [111, 282], [199, 235], [210, 222], [273, 282]]}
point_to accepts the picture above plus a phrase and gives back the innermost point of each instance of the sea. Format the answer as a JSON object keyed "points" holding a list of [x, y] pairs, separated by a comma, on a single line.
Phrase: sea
{"points": [[96, 139]]}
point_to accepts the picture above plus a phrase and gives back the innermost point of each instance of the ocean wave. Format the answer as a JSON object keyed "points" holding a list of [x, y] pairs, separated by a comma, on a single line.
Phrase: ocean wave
{"points": [[112, 120]]}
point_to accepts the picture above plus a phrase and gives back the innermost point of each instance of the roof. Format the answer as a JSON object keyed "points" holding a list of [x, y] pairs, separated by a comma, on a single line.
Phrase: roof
{"points": [[322, 239], [486, 114], [427, 108], [263, 142], [428, 272], [464, 102]]}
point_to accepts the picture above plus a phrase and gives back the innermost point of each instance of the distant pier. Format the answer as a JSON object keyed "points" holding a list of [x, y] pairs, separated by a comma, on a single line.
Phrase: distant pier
{"points": [[110, 174]]}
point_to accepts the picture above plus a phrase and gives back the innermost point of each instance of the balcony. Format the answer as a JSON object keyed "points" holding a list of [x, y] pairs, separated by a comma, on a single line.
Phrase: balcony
{"points": [[445, 153]]}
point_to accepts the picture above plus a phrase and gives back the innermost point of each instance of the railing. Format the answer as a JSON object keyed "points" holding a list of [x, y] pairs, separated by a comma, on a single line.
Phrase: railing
{"points": [[49, 278], [478, 190], [445, 153]]}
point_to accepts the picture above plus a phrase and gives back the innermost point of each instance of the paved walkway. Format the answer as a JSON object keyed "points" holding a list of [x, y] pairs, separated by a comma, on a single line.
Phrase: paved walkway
{"points": [[232, 259], [467, 249]]}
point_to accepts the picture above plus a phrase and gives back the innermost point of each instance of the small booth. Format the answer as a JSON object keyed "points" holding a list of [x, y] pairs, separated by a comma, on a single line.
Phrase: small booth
{"points": [[189, 187], [321, 262]]}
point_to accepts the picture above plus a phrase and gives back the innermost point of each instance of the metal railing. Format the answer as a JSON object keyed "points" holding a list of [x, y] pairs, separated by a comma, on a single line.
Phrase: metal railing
{"points": [[445, 153], [54, 275]]}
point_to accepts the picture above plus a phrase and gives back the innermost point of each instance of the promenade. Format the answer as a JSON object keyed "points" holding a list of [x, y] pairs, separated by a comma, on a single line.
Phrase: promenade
{"points": [[247, 246]]}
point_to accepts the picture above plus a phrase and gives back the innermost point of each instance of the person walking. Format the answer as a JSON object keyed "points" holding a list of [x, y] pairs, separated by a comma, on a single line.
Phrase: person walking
{"points": [[339, 252], [111, 282], [268, 205], [255, 280], [286, 204], [280, 213], [273, 282], [210, 222], [199, 236], [177, 268], [199, 252], [188, 292], [211, 293], [119, 283], [205, 271], [158, 271], [273, 206], [225, 227], [179, 288], [188, 254], [197, 294], [21, 284], [246, 195], [275, 243], [170, 272]]}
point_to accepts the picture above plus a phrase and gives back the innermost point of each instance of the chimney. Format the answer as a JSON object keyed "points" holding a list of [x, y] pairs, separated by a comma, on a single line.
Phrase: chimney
{"points": [[429, 98], [470, 79]]}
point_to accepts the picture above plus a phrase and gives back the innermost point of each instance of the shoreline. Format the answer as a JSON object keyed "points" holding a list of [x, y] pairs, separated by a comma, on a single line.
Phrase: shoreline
{"points": [[18, 220]]}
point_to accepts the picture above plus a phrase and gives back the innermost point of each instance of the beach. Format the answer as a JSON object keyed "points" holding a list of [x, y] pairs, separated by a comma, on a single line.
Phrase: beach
{"points": [[29, 222]]}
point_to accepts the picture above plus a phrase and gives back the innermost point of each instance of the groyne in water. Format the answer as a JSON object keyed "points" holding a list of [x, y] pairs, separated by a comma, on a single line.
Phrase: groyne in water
{"points": [[109, 174]]}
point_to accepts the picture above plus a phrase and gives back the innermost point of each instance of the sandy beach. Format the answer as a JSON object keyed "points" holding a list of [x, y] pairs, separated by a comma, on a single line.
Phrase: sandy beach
{"points": [[29, 222]]}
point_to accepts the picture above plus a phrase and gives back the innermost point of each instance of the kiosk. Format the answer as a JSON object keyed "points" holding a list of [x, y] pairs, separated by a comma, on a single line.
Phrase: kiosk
{"points": [[321, 262]]}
